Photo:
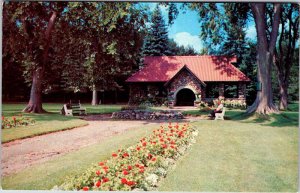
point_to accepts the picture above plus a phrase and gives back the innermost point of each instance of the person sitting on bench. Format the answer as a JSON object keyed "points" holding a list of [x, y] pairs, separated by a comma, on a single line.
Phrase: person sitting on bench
{"points": [[217, 110]]}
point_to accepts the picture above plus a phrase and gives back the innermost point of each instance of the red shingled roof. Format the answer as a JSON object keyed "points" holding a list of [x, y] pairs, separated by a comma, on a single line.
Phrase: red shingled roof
{"points": [[206, 68]]}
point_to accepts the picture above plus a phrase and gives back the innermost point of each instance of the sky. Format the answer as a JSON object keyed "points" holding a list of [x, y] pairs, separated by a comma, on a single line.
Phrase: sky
{"points": [[186, 28]]}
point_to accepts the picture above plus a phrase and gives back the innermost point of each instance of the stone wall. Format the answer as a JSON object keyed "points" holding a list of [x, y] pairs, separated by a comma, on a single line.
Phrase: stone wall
{"points": [[184, 80], [147, 115]]}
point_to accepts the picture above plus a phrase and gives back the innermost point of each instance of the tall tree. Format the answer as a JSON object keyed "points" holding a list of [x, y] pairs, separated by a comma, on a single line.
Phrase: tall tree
{"points": [[264, 103], [109, 41], [214, 27], [156, 43], [35, 22], [286, 49]]}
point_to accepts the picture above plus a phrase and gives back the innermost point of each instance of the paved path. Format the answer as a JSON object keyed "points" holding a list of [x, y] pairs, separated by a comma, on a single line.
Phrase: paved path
{"points": [[20, 154]]}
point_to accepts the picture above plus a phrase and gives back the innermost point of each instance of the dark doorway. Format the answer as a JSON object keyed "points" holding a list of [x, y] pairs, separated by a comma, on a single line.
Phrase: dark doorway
{"points": [[185, 97]]}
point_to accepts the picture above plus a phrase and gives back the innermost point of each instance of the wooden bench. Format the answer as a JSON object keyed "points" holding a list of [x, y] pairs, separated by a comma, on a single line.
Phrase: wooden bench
{"points": [[73, 109], [220, 116]]}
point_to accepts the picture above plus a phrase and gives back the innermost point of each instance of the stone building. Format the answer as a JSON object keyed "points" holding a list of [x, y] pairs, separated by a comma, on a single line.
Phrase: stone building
{"points": [[187, 80]]}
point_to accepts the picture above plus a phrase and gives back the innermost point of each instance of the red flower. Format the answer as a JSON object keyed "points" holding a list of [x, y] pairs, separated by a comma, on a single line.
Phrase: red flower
{"points": [[106, 170], [141, 170], [105, 167], [153, 159], [138, 148], [137, 165], [125, 172], [145, 144], [172, 146], [124, 181], [125, 154], [101, 163], [105, 180], [164, 145], [162, 140], [177, 126], [98, 173], [168, 139], [85, 188], [149, 156], [154, 142], [114, 155], [98, 184], [14, 118], [141, 167], [129, 167], [130, 183], [2, 117]]}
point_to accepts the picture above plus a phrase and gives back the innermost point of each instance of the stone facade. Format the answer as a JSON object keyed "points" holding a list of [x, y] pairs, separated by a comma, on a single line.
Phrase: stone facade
{"points": [[184, 80], [159, 92]]}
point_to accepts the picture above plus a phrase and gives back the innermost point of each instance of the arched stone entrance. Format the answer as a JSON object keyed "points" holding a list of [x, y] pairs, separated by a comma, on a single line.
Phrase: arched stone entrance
{"points": [[185, 97]]}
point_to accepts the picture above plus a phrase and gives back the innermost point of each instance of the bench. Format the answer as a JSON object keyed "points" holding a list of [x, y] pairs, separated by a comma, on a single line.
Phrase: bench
{"points": [[73, 109], [220, 116]]}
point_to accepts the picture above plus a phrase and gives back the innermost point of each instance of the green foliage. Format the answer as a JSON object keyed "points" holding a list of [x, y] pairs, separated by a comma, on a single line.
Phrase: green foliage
{"points": [[156, 41]]}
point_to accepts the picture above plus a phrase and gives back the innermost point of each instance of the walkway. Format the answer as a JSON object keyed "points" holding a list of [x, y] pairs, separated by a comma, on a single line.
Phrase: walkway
{"points": [[20, 154]]}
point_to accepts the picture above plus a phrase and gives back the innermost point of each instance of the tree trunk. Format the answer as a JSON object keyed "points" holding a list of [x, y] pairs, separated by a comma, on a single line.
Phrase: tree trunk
{"points": [[263, 103], [283, 102], [35, 101], [95, 97]]}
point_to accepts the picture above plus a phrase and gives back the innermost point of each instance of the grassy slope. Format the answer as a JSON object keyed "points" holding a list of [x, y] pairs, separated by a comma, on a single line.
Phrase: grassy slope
{"points": [[49, 122], [45, 176], [250, 154]]}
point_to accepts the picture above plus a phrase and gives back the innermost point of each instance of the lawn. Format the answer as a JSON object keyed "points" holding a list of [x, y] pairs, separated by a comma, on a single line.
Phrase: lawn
{"points": [[242, 153], [48, 122]]}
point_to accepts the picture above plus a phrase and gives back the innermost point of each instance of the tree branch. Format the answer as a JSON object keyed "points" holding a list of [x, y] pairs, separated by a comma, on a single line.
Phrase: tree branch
{"points": [[275, 27]]}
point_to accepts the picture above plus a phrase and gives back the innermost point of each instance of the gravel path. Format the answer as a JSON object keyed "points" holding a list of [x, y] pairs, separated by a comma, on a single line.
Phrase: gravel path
{"points": [[19, 154]]}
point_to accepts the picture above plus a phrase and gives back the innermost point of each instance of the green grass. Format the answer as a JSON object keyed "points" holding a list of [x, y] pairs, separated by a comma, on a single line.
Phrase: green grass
{"points": [[243, 153], [48, 122], [246, 153], [46, 175]]}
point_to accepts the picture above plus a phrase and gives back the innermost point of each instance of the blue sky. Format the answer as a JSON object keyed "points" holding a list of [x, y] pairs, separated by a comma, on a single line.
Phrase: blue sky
{"points": [[186, 28]]}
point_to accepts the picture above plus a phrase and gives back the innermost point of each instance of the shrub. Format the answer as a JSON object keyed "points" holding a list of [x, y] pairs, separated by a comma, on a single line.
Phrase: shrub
{"points": [[140, 166], [15, 121]]}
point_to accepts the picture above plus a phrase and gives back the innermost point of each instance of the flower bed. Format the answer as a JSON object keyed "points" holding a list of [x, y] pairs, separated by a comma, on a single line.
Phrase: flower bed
{"points": [[140, 167], [15, 121]]}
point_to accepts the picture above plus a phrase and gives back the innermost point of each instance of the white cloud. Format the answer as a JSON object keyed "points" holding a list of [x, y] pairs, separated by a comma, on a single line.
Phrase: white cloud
{"points": [[251, 32], [187, 39]]}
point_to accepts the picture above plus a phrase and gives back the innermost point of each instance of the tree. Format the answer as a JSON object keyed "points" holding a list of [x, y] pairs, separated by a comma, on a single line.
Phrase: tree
{"points": [[264, 103], [156, 43], [35, 22], [286, 49], [176, 50], [214, 24], [109, 41]]}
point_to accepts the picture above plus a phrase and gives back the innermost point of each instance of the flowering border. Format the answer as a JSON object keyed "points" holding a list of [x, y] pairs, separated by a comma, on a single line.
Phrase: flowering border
{"points": [[140, 167], [16, 121]]}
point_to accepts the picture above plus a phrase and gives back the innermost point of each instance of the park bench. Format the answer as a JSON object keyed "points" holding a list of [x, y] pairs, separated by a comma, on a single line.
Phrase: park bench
{"points": [[220, 115], [73, 109]]}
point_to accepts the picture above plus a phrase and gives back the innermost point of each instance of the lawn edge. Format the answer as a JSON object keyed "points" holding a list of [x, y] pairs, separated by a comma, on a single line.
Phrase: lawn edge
{"points": [[43, 133]]}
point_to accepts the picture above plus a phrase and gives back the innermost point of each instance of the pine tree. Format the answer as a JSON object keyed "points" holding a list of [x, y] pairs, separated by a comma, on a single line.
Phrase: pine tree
{"points": [[156, 43]]}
